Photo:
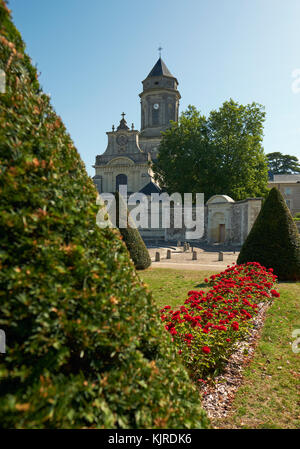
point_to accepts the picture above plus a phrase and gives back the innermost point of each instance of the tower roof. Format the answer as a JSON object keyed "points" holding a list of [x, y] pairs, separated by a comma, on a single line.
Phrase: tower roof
{"points": [[160, 69]]}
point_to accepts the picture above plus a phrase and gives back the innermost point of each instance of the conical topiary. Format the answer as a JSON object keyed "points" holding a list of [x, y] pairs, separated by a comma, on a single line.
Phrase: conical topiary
{"points": [[132, 238], [84, 343], [274, 239]]}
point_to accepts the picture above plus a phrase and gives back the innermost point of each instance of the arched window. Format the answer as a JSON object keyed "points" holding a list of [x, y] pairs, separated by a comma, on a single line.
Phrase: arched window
{"points": [[121, 180], [98, 182], [155, 117]]}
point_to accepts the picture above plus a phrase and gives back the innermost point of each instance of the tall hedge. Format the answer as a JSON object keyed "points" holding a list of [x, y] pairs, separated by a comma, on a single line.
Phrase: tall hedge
{"points": [[274, 239], [84, 344], [132, 238]]}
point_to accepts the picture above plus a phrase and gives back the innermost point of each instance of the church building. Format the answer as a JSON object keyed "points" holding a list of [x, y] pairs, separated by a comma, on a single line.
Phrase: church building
{"points": [[128, 159], [129, 153]]}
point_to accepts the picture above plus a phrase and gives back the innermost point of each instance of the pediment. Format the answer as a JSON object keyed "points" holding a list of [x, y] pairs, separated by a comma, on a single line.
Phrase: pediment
{"points": [[121, 161]]}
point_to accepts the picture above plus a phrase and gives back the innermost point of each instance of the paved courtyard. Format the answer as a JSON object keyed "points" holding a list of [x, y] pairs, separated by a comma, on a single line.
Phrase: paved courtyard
{"points": [[207, 259]]}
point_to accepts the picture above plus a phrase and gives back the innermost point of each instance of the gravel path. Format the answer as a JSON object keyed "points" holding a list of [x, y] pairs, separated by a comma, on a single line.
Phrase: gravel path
{"points": [[182, 260]]}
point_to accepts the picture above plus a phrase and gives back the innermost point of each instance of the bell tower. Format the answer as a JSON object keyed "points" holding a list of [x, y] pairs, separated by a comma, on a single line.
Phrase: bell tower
{"points": [[159, 105]]}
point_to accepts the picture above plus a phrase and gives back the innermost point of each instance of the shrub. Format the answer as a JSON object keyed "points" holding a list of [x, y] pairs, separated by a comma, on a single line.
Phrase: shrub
{"points": [[85, 346], [207, 327], [132, 238], [274, 239]]}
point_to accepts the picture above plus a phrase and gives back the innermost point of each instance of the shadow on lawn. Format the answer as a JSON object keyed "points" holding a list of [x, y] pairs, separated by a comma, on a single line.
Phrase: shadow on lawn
{"points": [[202, 285]]}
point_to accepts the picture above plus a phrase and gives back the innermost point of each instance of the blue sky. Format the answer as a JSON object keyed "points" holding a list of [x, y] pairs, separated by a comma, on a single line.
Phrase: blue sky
{"points": [[93, 55]]}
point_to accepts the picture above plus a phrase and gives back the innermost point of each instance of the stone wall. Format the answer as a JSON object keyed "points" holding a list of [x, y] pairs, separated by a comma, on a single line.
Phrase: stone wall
{"points": [[225, 222], [230, 221]]}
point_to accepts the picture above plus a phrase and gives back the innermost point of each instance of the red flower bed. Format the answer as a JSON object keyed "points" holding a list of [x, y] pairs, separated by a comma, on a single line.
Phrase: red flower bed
{"points": [[206, 329]]}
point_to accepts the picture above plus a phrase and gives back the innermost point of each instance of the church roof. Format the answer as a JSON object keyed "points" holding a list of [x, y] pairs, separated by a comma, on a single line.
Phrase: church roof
{"points": [[160, 69], [150, 188]]}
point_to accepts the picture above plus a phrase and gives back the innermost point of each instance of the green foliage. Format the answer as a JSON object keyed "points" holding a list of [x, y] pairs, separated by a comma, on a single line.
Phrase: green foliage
{"points": [[85, 347], [274, 240], [136, 247], [221, 154], [282, 163], [132, 238]]}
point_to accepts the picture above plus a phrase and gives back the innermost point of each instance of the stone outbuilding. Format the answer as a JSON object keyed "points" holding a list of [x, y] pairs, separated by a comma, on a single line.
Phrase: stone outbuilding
{"points": [[229, 221]]}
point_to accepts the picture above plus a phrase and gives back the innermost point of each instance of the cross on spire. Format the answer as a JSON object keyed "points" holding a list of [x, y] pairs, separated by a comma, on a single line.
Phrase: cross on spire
{"points": [[160, 49], [123, 124]]}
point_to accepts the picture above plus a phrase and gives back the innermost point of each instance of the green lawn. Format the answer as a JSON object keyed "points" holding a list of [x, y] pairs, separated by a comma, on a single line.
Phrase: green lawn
{"points": [[170, 287], [270, 394]]}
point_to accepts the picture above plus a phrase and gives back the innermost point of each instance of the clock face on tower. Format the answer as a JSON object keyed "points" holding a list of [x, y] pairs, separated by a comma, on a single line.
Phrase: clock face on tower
{"points": [[122, 139], [156, 106]]}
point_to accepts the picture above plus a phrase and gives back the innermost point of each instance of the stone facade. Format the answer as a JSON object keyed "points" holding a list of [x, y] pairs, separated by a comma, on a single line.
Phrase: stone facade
{"points": [[129, 153], [159, 104], [230, 221], [289, 186], [123, 162], [225, 221]]}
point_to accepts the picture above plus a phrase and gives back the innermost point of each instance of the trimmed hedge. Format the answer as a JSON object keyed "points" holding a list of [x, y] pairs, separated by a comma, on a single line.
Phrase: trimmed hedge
{"points": [[132, 238], [274, 239], [85, 347]]}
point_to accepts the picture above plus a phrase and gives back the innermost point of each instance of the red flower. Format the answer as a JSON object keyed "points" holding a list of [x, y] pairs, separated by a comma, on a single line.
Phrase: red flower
{"points": [[275, 293], [206, 349], [235, 325]]}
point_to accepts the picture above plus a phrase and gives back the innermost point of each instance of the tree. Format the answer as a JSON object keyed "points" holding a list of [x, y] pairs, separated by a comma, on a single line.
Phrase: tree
{"points": [[132, 238], [221, 154], [84, 343], [183, 147], [274, 239], [280, 164]]}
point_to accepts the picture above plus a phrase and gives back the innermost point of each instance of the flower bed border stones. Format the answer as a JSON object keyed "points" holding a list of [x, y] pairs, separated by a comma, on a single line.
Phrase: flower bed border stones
{"points": [[217, 397]]}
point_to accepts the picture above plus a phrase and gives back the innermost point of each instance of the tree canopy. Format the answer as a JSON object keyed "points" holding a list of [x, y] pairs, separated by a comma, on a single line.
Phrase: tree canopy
{"points": [[281, 164], [220, 154]]}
